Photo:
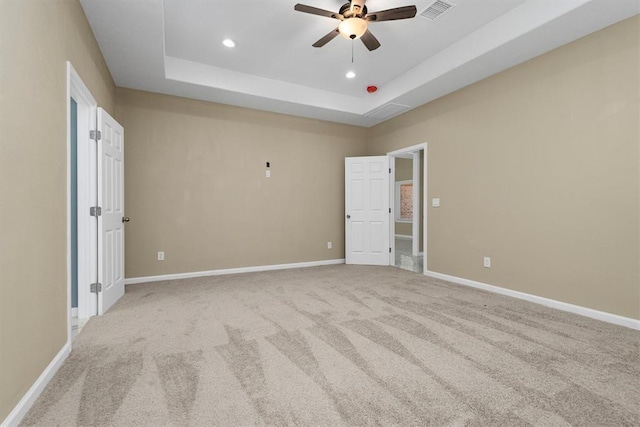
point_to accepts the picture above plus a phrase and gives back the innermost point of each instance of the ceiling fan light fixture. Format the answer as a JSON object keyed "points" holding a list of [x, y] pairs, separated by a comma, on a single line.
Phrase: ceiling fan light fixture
{"points": [[353, 28], [229, 43]]}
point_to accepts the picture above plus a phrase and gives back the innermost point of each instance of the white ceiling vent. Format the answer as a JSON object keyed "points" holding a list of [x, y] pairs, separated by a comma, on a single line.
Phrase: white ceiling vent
{"points": [[436, 9], [387, 111]]}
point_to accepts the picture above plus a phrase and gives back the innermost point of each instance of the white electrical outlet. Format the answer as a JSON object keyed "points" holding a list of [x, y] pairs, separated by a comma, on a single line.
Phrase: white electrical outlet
{"points": [[435, 202], [267, 174], [487, 262], [329, 245], [160, 256]]}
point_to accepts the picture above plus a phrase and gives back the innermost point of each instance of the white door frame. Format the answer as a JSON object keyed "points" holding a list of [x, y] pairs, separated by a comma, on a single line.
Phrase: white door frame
{"points": [[414, 152], [87, 178]]}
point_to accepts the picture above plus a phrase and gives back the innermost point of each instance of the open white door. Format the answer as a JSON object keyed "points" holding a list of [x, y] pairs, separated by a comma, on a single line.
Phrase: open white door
{"points": [[367, 210], [111, 221]]}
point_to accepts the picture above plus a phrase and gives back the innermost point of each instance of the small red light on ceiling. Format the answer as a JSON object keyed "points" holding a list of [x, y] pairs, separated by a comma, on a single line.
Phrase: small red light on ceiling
{"points": [[372, 89]]}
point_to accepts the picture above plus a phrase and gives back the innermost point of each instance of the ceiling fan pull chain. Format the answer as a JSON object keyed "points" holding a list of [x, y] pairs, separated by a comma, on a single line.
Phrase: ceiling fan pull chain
{"points": [[352, 51]]}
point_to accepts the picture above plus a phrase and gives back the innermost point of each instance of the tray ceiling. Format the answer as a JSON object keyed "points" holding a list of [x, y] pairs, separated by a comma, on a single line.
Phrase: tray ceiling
{"points": [[175, 47]]}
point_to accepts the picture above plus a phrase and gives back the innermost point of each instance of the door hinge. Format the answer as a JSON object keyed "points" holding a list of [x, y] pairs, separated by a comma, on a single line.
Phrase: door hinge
{"points": [[96, 287], [389, 210], [389, 170], [96, 135], [389, 250], [95, 211]]}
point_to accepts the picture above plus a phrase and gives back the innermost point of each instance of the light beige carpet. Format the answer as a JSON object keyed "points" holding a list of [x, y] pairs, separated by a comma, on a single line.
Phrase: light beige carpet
{"points": [[341, 345]]}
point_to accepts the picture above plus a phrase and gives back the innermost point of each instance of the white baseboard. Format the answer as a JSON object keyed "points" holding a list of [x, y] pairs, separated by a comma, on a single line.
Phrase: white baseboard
{"points": [[559, 305], [27, 401], [133, 280]]}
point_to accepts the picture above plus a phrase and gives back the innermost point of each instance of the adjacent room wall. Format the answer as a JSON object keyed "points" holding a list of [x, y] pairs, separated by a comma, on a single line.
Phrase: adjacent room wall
{"points": [[36, 40], [537, 167], [404, 172], [195, 185]]}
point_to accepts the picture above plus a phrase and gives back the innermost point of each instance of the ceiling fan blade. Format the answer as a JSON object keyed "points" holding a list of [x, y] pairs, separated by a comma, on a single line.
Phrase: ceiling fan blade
{"points": [[315, 11], [404, 12], [326, 39], [370, 41]]}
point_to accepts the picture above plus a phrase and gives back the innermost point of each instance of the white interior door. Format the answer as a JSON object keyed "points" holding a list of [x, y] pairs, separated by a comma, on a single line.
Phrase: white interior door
{"points": [[367, 210], [111, 200]]}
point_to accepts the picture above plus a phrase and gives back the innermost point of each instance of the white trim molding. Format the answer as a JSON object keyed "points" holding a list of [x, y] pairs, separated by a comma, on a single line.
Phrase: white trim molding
{"points": [[15, 417], [403, 236], [134, 280], [559, 305], [408, 150], [87, 174]]}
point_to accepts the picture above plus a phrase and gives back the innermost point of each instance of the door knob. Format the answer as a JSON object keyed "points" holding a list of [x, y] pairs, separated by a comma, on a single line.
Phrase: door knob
{"points": [[126, 219], [348, 216]]}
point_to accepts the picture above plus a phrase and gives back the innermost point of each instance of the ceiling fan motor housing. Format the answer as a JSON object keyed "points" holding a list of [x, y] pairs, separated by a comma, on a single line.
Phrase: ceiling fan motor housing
{"points": [[353, 9], [353, 25]]}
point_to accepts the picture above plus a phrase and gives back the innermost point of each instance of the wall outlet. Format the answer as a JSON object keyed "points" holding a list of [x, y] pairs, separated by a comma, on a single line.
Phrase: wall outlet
{"points": [[487, 262], [435, 202], [329, 245], [267, 174], [160, 256]]}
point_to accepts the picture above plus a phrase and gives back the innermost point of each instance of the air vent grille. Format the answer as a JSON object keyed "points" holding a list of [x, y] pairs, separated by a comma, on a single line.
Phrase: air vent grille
{"points": [[435, 10], [387, 111]]}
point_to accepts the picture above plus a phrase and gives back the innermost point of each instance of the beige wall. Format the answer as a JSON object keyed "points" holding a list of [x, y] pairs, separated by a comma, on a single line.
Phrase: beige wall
{"points": [[404, 228], [404, 172], [36, 40], [537, 167], [196, 186], [404, 169]]}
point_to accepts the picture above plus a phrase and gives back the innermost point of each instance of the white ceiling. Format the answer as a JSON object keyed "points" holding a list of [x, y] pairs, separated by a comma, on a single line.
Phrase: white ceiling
{"points": [[174, 47]]}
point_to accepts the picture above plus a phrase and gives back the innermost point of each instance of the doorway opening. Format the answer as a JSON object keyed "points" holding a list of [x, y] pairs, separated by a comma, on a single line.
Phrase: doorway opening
{"points": [[76, 322], [81, 194], [95, 206], [407, 195]]}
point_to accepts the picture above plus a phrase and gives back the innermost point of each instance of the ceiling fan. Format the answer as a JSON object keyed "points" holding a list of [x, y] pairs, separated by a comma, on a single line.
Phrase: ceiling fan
{"points": [[355, 18]]}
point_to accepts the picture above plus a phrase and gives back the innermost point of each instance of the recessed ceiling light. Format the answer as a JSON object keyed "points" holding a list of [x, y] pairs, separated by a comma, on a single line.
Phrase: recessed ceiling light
{"points": [[229, 43], [351, 75]]}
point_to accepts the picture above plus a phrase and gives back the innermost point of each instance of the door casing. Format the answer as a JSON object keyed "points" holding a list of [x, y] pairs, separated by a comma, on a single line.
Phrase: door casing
{"points": [[87, 175], [414, 152]]}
